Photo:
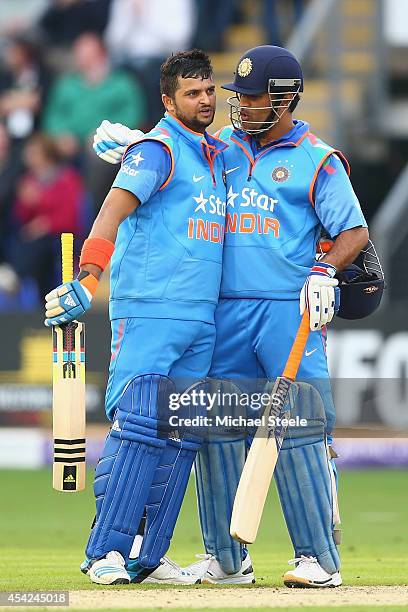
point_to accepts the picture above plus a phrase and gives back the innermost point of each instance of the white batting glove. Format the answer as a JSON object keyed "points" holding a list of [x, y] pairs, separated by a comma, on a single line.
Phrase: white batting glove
{"points": [[67, 302], [112, 139], [318, 295]]}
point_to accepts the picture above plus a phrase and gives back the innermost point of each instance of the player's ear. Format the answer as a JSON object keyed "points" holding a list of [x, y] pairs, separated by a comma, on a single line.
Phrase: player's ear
{"points": [[168, 103]]}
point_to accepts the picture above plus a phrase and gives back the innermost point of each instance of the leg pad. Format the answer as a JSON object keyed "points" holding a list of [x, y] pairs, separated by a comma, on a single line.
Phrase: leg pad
{"points": [[304, 480]]}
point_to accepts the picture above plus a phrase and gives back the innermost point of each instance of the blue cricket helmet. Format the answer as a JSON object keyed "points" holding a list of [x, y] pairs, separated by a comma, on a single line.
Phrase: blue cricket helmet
{"points": [[266, 67], [361, 285]]}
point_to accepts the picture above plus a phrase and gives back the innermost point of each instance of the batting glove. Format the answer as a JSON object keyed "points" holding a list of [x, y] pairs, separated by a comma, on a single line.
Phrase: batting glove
{"points": [[66, 303], [320, 295], [112, 139]]}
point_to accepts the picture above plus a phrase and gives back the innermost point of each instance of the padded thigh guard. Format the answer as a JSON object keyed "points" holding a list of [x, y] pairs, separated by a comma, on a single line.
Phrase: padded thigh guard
{"points": [[305, 481], [218, 469], [127, 466]]}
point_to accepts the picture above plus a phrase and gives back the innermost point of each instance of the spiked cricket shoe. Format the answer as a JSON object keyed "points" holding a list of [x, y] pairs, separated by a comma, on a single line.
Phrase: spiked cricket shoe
{"points": [[309, 574], [167, 572], [211, 571], [109, 570]]}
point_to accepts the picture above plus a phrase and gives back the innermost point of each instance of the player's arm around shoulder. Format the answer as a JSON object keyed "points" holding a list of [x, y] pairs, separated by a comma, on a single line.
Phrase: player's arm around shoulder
{"points": [[112, 139]]}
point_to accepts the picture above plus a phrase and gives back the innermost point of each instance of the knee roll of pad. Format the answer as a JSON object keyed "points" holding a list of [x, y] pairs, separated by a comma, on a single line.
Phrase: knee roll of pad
{"points": [[304, 480], [140, 408], [126, 469], [218, 469]]}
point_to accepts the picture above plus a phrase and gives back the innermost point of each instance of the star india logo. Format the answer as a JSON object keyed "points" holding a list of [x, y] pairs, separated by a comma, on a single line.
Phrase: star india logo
{"points": [[134, 160], [245, 67], [280, 174]]}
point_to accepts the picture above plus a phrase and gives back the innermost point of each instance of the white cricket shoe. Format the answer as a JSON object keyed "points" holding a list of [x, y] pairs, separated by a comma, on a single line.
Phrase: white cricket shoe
{"points": [[167, 572], [309, 574], [109, 570], [200, 567], [211, 572]]}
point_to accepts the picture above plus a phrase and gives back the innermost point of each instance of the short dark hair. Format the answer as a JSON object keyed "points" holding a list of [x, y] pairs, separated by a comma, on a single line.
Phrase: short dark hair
{"points": [[192, 64]]}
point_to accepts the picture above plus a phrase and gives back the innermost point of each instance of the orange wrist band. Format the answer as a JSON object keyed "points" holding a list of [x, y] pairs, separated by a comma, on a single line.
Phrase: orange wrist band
{"points": [[96, 251]]}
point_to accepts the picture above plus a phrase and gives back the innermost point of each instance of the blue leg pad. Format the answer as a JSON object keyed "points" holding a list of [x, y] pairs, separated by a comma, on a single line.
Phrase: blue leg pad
{"points": [[304, 479], [126, 468], [218, 468], [169, 486], [165, 498]]}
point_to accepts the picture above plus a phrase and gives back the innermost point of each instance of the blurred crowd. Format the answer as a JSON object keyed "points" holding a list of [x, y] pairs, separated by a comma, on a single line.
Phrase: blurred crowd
{"points": [[65, 65]]}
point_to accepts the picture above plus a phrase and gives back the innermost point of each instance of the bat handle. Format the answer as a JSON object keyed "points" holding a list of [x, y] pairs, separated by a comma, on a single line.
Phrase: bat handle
{"points": [[67, 252], [298, 348]]}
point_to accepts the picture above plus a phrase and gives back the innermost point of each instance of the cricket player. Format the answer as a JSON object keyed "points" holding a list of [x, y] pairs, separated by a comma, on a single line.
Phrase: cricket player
{"points": [[284, 186], [165, 254]]}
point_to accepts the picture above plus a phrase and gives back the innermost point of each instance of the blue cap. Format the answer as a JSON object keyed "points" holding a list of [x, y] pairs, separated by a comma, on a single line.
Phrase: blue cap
{"points": [[267, 68]]}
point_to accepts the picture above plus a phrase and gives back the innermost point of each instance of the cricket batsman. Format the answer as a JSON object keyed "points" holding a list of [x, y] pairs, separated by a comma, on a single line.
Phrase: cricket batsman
{"points": [[165, 254], [283, 187]]}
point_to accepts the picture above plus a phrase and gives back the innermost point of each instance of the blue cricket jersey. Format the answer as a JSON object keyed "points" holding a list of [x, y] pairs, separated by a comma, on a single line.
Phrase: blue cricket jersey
{"points": [[168, 252], [278, 199]]}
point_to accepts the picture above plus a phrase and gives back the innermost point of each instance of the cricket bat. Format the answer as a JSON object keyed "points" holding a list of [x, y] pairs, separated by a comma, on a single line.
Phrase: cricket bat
{"points": [[262, 457], [68, 394]]}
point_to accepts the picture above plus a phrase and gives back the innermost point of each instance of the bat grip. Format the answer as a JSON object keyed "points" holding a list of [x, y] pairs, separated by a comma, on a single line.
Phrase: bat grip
{"points": [[298, 348], [67, 252]]}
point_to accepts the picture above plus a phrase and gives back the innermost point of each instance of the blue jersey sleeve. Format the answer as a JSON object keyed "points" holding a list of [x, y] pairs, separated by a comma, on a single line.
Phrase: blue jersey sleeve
{"points": [[145, 167], [336, 204]]}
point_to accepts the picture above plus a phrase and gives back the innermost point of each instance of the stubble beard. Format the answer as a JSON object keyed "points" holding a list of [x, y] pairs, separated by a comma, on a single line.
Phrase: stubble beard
{"points": [[194, 123]]}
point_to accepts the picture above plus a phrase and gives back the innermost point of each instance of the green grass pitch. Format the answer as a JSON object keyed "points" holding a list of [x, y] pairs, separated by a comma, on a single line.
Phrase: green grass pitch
{"points": [[43, 532]]}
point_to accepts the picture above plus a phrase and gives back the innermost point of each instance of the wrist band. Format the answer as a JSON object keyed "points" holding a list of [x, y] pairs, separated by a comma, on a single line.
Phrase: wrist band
{"points": [[324, 269], [96, 251], [324, 246], [89, 281]]}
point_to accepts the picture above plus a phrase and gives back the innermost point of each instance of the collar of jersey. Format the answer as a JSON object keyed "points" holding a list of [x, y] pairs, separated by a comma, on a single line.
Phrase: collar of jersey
{"points": [[196, 138], [291, 139]]}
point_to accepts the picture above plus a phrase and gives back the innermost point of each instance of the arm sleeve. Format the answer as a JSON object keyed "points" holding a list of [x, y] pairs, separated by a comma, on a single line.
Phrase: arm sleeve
{"points": [[336, 204], [145, 167]]}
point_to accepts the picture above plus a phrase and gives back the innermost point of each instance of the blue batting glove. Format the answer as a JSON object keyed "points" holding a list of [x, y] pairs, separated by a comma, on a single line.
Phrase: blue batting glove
{"points": [[66, 303]]}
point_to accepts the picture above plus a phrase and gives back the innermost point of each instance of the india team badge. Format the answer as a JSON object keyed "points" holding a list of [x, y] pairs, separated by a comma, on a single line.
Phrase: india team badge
{"points": [[280, 174], [245, 67]]}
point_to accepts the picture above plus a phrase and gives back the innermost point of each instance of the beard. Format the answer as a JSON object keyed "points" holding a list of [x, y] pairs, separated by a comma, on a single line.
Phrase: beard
{"points": [[194, 123]]}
